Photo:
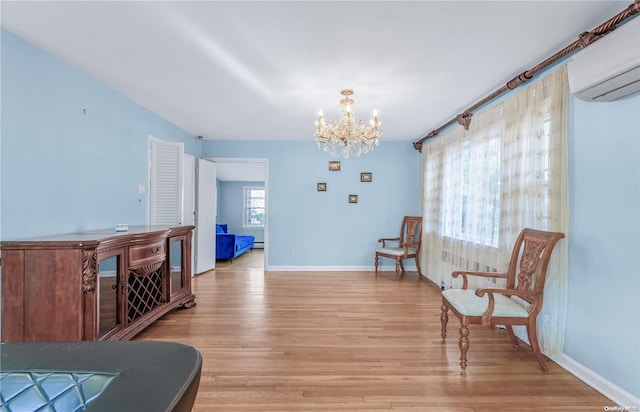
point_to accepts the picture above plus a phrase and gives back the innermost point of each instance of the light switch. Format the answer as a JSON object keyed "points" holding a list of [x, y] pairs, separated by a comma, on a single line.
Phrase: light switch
{"points": [[141, 189]]}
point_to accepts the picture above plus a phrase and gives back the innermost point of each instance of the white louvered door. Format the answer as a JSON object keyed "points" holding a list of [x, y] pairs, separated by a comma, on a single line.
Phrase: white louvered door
{"points": [[166, 183]]}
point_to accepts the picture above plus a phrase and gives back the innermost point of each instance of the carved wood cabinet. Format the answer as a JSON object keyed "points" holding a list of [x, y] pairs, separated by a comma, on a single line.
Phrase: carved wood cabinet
{"points": [[99, 285]]}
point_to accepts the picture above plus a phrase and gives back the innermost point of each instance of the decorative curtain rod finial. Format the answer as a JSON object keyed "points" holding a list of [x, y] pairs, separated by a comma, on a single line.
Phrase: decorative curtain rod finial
{"points": [[464, 119]]}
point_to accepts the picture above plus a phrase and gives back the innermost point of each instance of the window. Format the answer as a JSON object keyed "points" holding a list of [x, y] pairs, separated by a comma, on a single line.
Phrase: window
{"points": [[254, 207], [471, 191]]}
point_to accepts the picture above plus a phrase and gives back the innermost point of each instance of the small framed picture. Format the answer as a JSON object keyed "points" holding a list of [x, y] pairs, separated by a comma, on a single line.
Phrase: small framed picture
{"points": [[366, 177], [353, 198], [322, 187], [334, 165]]}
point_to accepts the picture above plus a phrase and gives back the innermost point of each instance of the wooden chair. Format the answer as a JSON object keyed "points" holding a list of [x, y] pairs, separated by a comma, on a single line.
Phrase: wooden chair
{"points": [[408, 245], [495, 306]]}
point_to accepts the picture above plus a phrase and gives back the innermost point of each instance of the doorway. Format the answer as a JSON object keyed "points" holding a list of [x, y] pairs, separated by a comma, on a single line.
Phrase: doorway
{"points": [[233, 175]]}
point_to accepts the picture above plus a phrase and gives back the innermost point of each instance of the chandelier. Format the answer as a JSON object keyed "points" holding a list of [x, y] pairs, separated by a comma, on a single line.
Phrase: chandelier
{"points": [[348, 135]]}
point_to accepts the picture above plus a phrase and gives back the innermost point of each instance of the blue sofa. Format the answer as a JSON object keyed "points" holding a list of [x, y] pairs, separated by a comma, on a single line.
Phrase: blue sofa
{"points": [[230, 246]]}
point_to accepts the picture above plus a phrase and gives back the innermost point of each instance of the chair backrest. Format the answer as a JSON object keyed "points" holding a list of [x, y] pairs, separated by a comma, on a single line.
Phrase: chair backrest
{"points": [[411, 232], [529, 261]]}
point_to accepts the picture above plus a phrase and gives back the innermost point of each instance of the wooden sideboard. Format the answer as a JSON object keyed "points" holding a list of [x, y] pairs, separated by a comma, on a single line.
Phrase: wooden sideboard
{"points": [[98, 285]]}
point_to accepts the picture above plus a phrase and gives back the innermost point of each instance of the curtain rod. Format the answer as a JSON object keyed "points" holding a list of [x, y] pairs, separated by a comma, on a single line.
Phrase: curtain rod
{"points": [[584, 40]]}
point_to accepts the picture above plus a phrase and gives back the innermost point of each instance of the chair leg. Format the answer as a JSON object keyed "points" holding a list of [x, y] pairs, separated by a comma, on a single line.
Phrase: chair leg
{"points": [[376, 264], [533, 340], [464, 347], [444, 319], [398, 266], [512, 336], [418, 266]]}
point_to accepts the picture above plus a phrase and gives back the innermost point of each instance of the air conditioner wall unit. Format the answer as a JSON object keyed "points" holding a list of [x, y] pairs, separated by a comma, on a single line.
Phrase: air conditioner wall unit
{"points": [[609, 68]]}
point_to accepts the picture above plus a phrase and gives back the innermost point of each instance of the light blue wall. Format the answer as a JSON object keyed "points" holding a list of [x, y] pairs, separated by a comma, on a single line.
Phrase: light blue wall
{"points": [[603, 302], [230, 208], [322, 228], [64, 169]]}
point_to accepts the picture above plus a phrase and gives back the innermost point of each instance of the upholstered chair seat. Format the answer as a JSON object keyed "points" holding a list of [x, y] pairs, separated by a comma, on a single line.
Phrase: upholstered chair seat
{"points": [[396, 251], [467, 303]]}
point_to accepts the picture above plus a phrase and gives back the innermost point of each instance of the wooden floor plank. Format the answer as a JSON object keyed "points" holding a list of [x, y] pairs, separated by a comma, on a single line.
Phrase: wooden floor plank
{"points": [[352, 341]]}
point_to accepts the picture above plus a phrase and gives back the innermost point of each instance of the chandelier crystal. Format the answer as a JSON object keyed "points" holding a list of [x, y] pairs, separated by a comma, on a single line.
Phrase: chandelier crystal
{"points": [[349, 135]]}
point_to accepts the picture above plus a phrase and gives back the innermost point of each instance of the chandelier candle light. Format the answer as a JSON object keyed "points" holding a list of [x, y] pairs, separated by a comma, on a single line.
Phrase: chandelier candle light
{"points": [[350, 134]]}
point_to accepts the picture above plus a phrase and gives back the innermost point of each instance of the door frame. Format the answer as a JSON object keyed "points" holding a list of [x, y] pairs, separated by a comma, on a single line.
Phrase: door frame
{"points": [[265, 163], [205, 232]]}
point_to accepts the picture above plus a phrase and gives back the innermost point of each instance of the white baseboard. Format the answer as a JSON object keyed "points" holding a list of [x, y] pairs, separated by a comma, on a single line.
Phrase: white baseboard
{"points": [[318, 269], [618, 396], [270, 268]]}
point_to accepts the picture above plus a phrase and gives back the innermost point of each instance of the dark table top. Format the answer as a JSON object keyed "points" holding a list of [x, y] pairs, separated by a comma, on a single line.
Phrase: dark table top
{"points": [[116, 376]]}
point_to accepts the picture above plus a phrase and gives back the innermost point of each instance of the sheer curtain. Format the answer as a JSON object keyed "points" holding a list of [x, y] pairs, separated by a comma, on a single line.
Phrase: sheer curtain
{"points": [[462, 198], [483, 185]]}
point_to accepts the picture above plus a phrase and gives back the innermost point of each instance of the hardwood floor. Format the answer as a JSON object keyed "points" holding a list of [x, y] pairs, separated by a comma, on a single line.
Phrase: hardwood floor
{"points": [[252, 259], [351, 341]]}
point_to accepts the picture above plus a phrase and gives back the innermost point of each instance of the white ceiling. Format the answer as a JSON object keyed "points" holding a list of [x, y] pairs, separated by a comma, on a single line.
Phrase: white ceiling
{"points": [[262, 70]]}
